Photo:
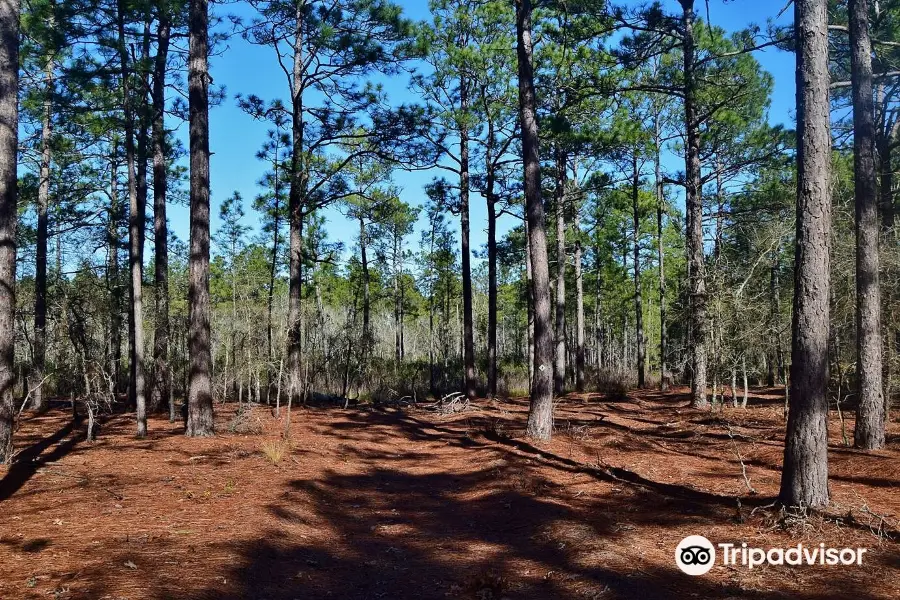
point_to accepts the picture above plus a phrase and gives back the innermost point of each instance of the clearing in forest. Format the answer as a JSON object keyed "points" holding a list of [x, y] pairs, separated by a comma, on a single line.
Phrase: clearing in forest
{"points": [[410, 503]]}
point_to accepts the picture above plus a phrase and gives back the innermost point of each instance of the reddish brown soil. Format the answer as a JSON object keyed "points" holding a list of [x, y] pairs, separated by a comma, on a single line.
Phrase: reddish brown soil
{"points": [[411, 504]]}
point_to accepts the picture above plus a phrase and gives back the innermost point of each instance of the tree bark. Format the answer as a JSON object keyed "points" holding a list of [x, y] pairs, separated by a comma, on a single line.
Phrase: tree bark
{"points": [[135, 250], [599, 340], [492, 268], [38, 398], [296, 203], [398, 303], [139, 124], [870, 412], [696, 267], [112, 275], [432, 375], [529, 306], [804, 479], [367, 302], [559, 367], [9, 146], [774, 358], [273, 266], [160, 392], [200, 403], [468, 320], [660, 254], [579, 305], [540, 415], [638, 300]]}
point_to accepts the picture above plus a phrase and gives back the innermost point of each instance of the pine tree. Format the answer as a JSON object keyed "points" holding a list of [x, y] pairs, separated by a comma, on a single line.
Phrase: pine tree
{"points": [[804, 479], [540, 415], [200, 407], [160, 390], [9, 115], [870, 414]]}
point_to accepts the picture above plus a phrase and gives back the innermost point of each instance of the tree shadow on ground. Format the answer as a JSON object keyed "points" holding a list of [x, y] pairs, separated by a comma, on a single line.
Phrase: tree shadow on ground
{"points": [[28, 461], [496, 529]]}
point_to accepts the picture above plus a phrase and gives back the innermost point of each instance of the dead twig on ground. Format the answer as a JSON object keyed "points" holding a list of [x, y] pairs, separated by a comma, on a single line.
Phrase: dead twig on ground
{"points": [[740, 458]]}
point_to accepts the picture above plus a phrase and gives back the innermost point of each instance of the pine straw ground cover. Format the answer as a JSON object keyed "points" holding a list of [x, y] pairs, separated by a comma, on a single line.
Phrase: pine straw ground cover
{"points": [[409, 503]]}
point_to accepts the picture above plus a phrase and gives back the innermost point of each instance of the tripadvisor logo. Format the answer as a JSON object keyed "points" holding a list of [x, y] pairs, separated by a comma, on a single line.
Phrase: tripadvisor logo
{"points": [[696, 555]]}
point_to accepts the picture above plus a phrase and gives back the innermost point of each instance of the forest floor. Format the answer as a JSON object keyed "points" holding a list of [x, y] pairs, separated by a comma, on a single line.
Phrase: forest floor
{"points": [[407, 503]]}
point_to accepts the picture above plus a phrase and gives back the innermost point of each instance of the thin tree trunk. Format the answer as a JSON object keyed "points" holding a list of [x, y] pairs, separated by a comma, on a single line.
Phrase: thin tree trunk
{"points": [[112, 275], [160, 391], [9, 142], [734, 400], [746, 387], [38, 398], [638, 300], [273, 267], [559, 367], [432, 376], [697, 271], [200, 405], [774, 311], [598, 302], [135, 251], [660, 255], [540, 415], [870, 412], [804, 480], [492, 284], [579, 306], [366, 307], [398, 306], [468, 319]]}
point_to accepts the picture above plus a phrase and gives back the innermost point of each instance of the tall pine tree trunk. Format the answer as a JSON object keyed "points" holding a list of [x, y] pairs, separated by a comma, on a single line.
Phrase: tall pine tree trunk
{"points": [[432, 375], [870, 413], [598, 304], [492, 266], [38, 398], [638, 300], [579, 305], [367, 301], [492, 296], [200, 402], [696, 267], [540, 415], [136, 388], [273, 266], [529, 306], [160, 392], [660, 256], [398, 304], [559, 368], [804, 479], [774, 311], [295, 208], [112, 276], [468, 319], [9, 147]]}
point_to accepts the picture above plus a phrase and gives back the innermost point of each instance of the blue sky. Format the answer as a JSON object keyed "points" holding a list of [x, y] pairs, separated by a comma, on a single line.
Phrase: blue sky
{"points": [[244, 68]]}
